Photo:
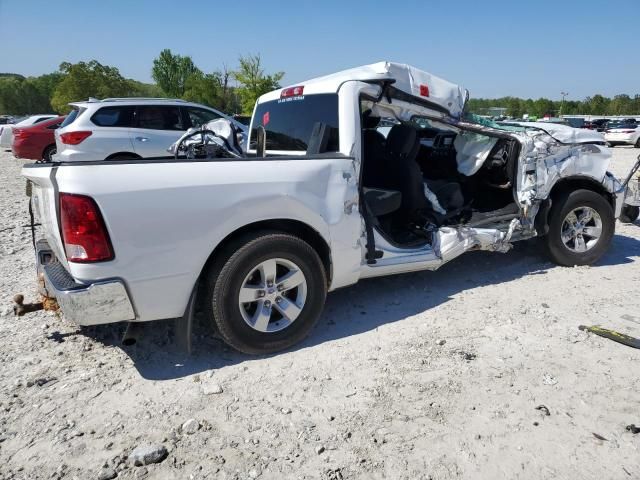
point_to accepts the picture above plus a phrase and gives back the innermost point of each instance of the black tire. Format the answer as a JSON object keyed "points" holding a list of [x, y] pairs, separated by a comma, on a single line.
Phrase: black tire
{"points": [[629, 213], [562, 206], [227, 274], [48, 153], [637, 145]]}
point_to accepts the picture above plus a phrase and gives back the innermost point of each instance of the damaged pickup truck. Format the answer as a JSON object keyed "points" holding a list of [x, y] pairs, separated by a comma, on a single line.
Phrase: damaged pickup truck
{"points": [[367, 172]]}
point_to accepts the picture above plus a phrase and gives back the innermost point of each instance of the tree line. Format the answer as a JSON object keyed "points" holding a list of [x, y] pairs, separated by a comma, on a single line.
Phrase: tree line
{"points": [[596, 105], [175, 76], [230, 90]]}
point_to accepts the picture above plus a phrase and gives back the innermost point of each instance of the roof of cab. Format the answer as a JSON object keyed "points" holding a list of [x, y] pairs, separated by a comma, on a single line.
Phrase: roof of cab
{"points": [[406, 78]]}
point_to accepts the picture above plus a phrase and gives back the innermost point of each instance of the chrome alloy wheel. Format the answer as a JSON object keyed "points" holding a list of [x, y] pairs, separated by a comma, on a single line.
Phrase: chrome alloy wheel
{"points": [[272, 295], [581, 229]]}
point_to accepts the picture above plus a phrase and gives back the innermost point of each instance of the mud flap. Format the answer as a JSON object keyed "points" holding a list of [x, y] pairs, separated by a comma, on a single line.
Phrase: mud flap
{"points": [[184, 325]]}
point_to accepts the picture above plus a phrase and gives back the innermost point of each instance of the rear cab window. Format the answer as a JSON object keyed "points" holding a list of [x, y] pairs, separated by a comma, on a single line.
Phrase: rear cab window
{"points": [[290, 122]]}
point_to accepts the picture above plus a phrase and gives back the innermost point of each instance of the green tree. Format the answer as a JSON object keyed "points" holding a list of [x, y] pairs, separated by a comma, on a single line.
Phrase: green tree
{"points": [[253, 81], [172, 71], [83, 80], [20, 95]]}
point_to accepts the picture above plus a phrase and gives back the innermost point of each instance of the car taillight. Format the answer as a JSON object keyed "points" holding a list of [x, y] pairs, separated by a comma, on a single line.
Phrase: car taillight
{"points": [[19, 133], [84, 233], [292, 92], [74, 138]]}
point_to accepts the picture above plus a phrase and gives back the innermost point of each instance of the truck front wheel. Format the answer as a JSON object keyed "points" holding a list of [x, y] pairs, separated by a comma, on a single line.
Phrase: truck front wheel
{"points": [[581, 226], [266, 292]]}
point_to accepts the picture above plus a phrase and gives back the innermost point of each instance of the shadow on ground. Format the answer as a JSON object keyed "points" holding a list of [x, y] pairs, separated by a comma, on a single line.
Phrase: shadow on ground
{"points": [[349, 311]]}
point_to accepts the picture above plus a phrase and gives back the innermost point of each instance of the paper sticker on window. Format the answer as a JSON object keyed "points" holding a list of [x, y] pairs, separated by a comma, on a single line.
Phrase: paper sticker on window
{"points": [[265, 119], [424, 90]]}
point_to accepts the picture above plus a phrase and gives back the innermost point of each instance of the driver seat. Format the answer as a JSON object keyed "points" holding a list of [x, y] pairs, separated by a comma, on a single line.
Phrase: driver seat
{"points": [[404, 173]]}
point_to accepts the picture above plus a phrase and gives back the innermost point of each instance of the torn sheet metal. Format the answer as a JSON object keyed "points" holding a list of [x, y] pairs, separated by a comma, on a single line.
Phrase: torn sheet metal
{"points": [[451, 242]]}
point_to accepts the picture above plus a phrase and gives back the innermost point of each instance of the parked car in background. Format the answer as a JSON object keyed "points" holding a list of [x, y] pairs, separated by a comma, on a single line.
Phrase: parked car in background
{"points": [[36, 142], [598, 124], [6, 134], [6, 119], [118, 128], [623, 133]]}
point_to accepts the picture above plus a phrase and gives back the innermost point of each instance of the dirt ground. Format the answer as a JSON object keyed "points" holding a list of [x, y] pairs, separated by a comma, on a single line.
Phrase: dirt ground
{"points": [[434, 375]]}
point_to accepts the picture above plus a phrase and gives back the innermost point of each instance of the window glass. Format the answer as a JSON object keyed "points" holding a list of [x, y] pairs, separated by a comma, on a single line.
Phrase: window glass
{"points": [[41, 119], [200, 116], [159, 117], [119, 116], [71, 116], [289, 122]]}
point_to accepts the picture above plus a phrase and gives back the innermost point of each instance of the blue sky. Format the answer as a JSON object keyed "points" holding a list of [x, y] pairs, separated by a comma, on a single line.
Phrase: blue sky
{"points": [[527, 48]]}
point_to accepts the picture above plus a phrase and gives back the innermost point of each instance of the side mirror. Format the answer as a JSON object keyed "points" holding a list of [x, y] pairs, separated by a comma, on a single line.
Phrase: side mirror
{"points": [[261, 142]]}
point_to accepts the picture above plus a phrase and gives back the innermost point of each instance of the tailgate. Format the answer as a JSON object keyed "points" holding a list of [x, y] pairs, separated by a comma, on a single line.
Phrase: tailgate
{"points": [[45, 204]]}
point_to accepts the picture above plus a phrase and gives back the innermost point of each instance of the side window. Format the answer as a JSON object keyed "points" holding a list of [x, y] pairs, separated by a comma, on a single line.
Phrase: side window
{"points": [[41, 119], [159, 117], [200, 116], [113, 117], [54, 126]]}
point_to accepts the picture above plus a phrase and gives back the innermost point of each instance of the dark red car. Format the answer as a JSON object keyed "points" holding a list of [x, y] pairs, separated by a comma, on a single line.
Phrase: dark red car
{"points": [[36, 142]]}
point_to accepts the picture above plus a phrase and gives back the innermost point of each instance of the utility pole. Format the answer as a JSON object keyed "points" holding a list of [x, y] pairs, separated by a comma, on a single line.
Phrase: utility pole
{"points": [[564, 94]]}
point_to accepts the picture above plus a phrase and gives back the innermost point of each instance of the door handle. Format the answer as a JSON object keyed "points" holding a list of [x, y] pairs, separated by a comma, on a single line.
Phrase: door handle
{"points": [[142, 139]]}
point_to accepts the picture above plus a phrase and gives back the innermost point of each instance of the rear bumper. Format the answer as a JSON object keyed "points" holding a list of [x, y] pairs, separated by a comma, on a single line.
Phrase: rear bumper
{"points": [[103, 301]]}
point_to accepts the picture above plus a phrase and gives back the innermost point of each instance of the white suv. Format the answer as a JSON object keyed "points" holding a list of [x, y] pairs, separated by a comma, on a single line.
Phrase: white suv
{"points": [[125, 128]]}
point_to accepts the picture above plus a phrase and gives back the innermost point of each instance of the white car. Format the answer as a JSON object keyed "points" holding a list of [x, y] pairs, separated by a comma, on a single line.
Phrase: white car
{"points": [[124, 128], [6, 131], [320, 200], [623, 134]]}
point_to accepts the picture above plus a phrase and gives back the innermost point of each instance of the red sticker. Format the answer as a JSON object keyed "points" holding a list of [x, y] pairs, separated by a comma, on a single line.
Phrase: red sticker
{"points": [[265, 119], [424, 90]]}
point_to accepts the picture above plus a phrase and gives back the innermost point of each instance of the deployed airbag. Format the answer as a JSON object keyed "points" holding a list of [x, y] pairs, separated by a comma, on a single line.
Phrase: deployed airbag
{"points": [[472, 150]]}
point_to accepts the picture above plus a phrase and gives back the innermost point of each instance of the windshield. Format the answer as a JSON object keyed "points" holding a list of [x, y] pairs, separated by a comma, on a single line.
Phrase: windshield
{"points": [[290, 122]]}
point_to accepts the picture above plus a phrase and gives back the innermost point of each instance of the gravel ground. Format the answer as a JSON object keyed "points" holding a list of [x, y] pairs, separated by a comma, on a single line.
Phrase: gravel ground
{"points": [[434, 375]]}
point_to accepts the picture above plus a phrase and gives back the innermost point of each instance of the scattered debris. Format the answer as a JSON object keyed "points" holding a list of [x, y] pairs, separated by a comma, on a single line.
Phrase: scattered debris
{"points": [[549, 379], [211, 388], [107, 474], [190, 427], [543, 409], [612, 335], [148, 454], [599, 437], [442, 342], [319, 449], [468, 356], [633, 429]]}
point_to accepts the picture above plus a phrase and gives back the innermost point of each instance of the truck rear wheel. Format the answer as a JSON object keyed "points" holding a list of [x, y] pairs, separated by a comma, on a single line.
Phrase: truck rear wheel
{"points": [[266, 292], [581, 226]]}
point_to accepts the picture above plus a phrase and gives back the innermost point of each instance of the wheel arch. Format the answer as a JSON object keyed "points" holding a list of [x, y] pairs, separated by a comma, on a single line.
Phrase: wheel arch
{"points": [[563, 186], [128, 155], [47, 147], [293, 227]]}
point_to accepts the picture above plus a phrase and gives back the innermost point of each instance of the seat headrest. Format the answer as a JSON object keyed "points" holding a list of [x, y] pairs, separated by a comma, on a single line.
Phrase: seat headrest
{"points": [[403, 141], [368, 121]]}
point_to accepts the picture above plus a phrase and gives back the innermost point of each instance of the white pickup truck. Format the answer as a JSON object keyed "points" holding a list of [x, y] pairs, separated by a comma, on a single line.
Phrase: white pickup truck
{"points": [[367, 172]]}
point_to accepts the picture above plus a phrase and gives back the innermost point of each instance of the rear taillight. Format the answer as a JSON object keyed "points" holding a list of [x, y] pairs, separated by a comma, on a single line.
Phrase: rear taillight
{"points": [[74, 138], [19, 133], [84, 233], [292, 92]]}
